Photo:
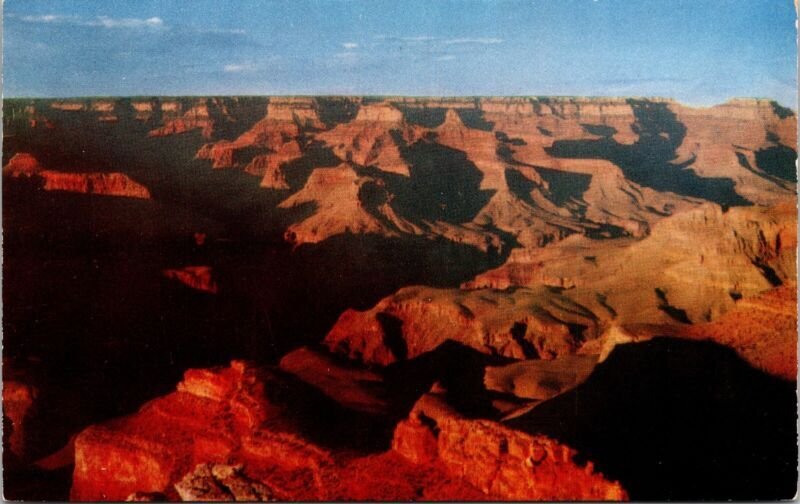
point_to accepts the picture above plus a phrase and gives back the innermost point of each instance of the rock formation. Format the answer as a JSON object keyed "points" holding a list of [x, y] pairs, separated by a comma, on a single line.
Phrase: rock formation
{"points": [[107, 184], [504, 464], [526, 323], [689, 269], [563, 235], [225, 435], [268, 145], [336, 195], [368, 139], [18, 404], [196, 277], [22, 164], [762, 329]]}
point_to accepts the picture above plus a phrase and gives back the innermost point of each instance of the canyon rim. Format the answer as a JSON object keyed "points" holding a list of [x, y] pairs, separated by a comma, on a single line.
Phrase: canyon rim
{"points": [[448, 251]]}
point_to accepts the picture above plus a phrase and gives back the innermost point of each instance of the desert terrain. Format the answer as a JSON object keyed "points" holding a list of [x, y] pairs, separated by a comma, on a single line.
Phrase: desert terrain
{"points": [[395, 298]]}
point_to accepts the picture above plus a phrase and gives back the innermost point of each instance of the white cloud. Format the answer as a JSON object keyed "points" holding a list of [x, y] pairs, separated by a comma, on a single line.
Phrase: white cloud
{"points": [[239, 67], [47, 18], [485, 41], [419, 38], [108, 22], [99, 21], [412, 39], [350, 45], [228, 31], [427, 39]]}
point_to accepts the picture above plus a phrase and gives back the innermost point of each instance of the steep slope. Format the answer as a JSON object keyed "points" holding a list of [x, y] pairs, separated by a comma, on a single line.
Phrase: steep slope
{"points": [[269, 144], [368, 140], [729, 140], [525, 323], [240, 429], [23, 165], [691, 268], [338, 195]]}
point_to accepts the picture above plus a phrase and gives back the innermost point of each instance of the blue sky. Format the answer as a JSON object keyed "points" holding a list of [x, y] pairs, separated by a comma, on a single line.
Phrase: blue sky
{"points": [[698, 51]]}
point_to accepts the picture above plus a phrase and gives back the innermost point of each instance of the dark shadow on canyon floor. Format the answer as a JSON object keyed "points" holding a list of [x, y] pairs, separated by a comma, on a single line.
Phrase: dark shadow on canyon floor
{"points": [[84, 292], [680, 420], [649, 161]]}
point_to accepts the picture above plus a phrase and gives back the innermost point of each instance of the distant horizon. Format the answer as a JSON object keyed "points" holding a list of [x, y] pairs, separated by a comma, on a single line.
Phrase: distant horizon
{"points": [[700, 53], [390, 96]]}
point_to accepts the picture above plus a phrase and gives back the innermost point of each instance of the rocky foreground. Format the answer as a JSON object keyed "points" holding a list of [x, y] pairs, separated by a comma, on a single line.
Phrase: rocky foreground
{"points": [[399, 299]]}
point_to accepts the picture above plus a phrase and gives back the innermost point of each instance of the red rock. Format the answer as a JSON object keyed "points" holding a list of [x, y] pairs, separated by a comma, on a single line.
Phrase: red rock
{"points": [[197, 442], [339, 209], [352, 387], [203, 421], [18, 403], [762, 330], [110, 465], [196, 277], [498, 323], [22, 164], [197, 117], [504, 464], [277, 134], [367, 140], [108, 184]]}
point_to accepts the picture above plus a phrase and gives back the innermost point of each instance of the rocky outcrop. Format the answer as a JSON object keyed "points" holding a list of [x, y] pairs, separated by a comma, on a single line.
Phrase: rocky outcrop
{"points": [[504, 464], [368, 139], [480, 146], [18, 407], [220, 482], [195, 277], [336, 194], [762, 329], [197, 117], [691, 267], [107, 184], [22, 164], [353, 387], [525, 323], [228, 434], [210, 418], [722, 141], [270, 144]]}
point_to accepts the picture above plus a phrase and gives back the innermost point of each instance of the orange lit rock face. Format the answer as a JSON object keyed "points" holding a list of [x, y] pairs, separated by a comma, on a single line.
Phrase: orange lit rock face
{"points": [[722, 141], [696, 262], [592, 254], [762, 329], [203, 115], [196, 277], [22, 164], [502, 463], [336, 192], [276, 137], [18, 403], [224, 431], [107, 184], [524, 324], [367, 139], [200, 423]]}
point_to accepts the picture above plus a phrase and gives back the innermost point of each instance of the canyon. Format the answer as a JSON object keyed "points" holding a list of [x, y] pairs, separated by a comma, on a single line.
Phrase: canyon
{"points": [[399, 298]]}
